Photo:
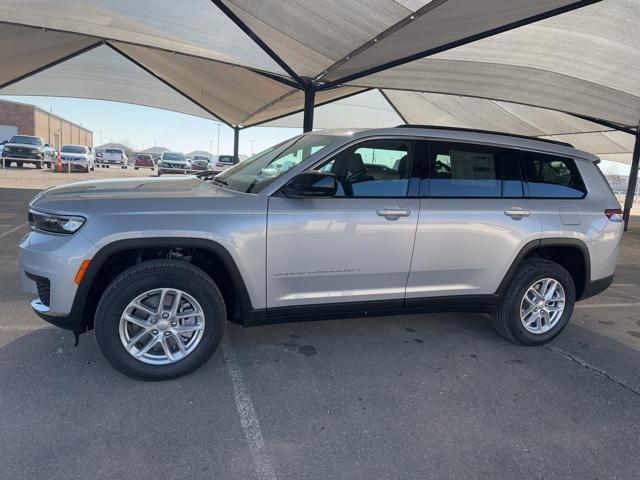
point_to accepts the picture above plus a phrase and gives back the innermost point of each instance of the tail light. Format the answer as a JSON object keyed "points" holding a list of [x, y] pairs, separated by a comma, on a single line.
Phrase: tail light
{"points": [[614, 214]]}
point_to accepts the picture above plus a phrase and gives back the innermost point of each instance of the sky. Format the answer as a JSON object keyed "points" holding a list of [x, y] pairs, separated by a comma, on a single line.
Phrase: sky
{"points": [[142, 127]]}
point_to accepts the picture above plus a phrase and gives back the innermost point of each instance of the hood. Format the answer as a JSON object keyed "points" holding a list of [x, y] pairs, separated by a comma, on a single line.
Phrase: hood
{"points": [[120, 195]]}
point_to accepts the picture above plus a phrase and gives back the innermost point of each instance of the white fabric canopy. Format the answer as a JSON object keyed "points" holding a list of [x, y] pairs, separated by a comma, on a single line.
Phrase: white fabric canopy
{"points": [[247, 63]]}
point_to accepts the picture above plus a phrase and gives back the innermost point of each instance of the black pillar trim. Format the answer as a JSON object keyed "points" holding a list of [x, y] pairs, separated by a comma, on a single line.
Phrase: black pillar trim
{"points": [[256, 38], [633, 182], [458, 43], [309, 104], [395, 109], [52, 64], [168, 84]]}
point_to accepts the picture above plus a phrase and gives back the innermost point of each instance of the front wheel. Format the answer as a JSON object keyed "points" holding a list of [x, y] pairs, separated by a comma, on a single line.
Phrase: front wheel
{"points": [[538, 303], [160, 320]]}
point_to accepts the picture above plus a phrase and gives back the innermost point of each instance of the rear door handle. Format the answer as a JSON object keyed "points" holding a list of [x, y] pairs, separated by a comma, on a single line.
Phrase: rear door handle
{"points": [[393, 213], [517, 213]]}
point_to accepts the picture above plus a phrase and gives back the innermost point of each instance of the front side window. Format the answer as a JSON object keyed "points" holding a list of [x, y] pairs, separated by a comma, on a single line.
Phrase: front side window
{"points": [[464, 170], [374, 168], [550, 176], [261, 170]]}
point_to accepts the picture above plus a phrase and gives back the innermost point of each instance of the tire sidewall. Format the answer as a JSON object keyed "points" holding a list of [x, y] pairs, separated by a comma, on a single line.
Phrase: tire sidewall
{"points": [[542, 270], [120, 293]]}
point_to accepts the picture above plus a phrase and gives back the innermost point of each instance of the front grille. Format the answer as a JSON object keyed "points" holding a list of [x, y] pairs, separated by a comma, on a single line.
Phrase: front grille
{"points": [[44, 287]]}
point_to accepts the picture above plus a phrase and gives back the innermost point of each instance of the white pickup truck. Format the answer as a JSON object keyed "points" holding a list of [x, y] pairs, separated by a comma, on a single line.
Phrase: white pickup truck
{"points": [[114, 156]]}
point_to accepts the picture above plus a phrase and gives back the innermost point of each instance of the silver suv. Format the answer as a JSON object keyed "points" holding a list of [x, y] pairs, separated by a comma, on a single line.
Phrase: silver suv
{"points": [[338, 223]]}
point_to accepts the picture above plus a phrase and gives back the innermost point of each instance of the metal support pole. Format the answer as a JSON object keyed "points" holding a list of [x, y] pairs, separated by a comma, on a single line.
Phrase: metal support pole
{"points": [[236, 141], [309, 100], [633, 181]]}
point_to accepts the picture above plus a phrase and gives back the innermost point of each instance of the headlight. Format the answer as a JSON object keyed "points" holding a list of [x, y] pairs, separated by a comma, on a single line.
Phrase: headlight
{"points": [[62, 224]]}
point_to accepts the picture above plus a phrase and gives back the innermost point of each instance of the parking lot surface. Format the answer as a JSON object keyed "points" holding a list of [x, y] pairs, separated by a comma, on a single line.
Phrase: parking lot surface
{"points": [[415, 396]]}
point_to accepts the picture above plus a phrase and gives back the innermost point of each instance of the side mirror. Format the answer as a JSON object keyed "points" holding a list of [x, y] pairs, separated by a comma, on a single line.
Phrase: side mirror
{"points": [[312, 184]]}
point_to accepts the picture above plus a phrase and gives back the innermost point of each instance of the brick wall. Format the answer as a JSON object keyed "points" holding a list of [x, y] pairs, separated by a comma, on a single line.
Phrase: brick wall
{"points": [[19, 115], [57, 132]]}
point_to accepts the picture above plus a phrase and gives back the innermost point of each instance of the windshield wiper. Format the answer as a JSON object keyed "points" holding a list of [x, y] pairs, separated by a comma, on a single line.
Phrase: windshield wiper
{"points": [[220, 181]]}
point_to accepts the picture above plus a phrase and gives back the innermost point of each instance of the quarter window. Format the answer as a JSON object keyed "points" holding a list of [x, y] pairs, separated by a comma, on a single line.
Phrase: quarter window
{"points": [[550, 176], [376, 168]]}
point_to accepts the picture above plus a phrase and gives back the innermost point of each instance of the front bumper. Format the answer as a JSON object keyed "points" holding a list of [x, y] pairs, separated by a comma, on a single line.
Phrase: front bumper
{"points": [[55, 259]]}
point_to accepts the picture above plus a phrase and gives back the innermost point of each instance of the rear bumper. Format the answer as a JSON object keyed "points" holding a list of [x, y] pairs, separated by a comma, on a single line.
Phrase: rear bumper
{"points": [[594, 287]]}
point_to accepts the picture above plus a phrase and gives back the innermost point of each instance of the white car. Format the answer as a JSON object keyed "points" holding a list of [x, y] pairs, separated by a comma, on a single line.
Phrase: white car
{"points": [[77, 157], [115, 156], [223, 162]]}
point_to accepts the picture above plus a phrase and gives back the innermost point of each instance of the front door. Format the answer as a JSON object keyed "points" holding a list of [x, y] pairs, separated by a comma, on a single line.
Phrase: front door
{"points": [[355, 247]]}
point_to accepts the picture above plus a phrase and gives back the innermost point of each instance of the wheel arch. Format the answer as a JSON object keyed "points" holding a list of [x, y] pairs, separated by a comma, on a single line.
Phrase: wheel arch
{"points": [[578, 265], [90, 289]]}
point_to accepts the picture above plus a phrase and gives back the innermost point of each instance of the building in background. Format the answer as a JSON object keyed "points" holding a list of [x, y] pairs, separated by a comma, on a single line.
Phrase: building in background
{"points": [[24, 119]]}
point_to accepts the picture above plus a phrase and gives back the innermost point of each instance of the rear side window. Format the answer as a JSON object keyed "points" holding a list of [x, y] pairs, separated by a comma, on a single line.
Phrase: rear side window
{"points": [[465, 170], [550, 176]]}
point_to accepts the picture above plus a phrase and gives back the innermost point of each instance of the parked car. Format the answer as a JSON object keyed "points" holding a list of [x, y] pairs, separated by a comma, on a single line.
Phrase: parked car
{"points": [[143, 160], [114, 156], [201, 162], [21, 149], [173, 162], [77, 157], [336, 223], [223, 162]]}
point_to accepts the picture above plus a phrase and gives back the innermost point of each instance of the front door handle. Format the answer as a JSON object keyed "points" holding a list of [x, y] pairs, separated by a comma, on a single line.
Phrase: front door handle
{"points": [[517, 213], [393, 213]]}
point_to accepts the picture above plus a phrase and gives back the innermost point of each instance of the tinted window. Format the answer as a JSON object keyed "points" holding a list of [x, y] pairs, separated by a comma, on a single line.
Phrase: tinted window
{"points": [[25, 140], [464, 170], [73, 149], [375, 168], [550, 176]]}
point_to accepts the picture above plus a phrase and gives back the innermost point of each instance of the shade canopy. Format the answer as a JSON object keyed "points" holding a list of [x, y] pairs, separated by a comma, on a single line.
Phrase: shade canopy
{"points": [[516, 66]]}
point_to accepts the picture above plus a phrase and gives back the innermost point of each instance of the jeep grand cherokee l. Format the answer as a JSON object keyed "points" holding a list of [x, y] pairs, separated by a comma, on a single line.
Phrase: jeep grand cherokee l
{"points": [[337, 223]]}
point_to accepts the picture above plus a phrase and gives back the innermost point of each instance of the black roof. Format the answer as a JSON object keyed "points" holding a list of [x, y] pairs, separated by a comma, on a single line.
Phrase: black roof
{"points": [[474, 130]]}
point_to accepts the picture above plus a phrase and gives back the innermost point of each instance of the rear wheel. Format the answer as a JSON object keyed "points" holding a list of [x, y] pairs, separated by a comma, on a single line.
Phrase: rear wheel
{"points": [[160, 320], [538, 304], [19, 164], [39, 165]]}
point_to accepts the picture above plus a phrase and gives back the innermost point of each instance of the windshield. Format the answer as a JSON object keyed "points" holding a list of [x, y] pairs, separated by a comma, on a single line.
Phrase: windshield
{"points": [[200, 158], [259, 171], [73, 149], [173, 156], [25, 140], [114, 150]]}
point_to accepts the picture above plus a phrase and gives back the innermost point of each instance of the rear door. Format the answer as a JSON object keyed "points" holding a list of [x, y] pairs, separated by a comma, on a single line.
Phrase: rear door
{"points": [[355, 247], [474, 219]]}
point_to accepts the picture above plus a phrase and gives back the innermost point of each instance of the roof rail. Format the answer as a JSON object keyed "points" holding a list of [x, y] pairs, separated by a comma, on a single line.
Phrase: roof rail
{"points": [[474, 130]]}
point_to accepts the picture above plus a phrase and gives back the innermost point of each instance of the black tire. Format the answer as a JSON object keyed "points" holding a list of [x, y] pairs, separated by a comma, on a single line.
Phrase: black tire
{"points": [[147, 276], [19, 164], [159, 173], [506, 318], [136, 168], [39, 165]]}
